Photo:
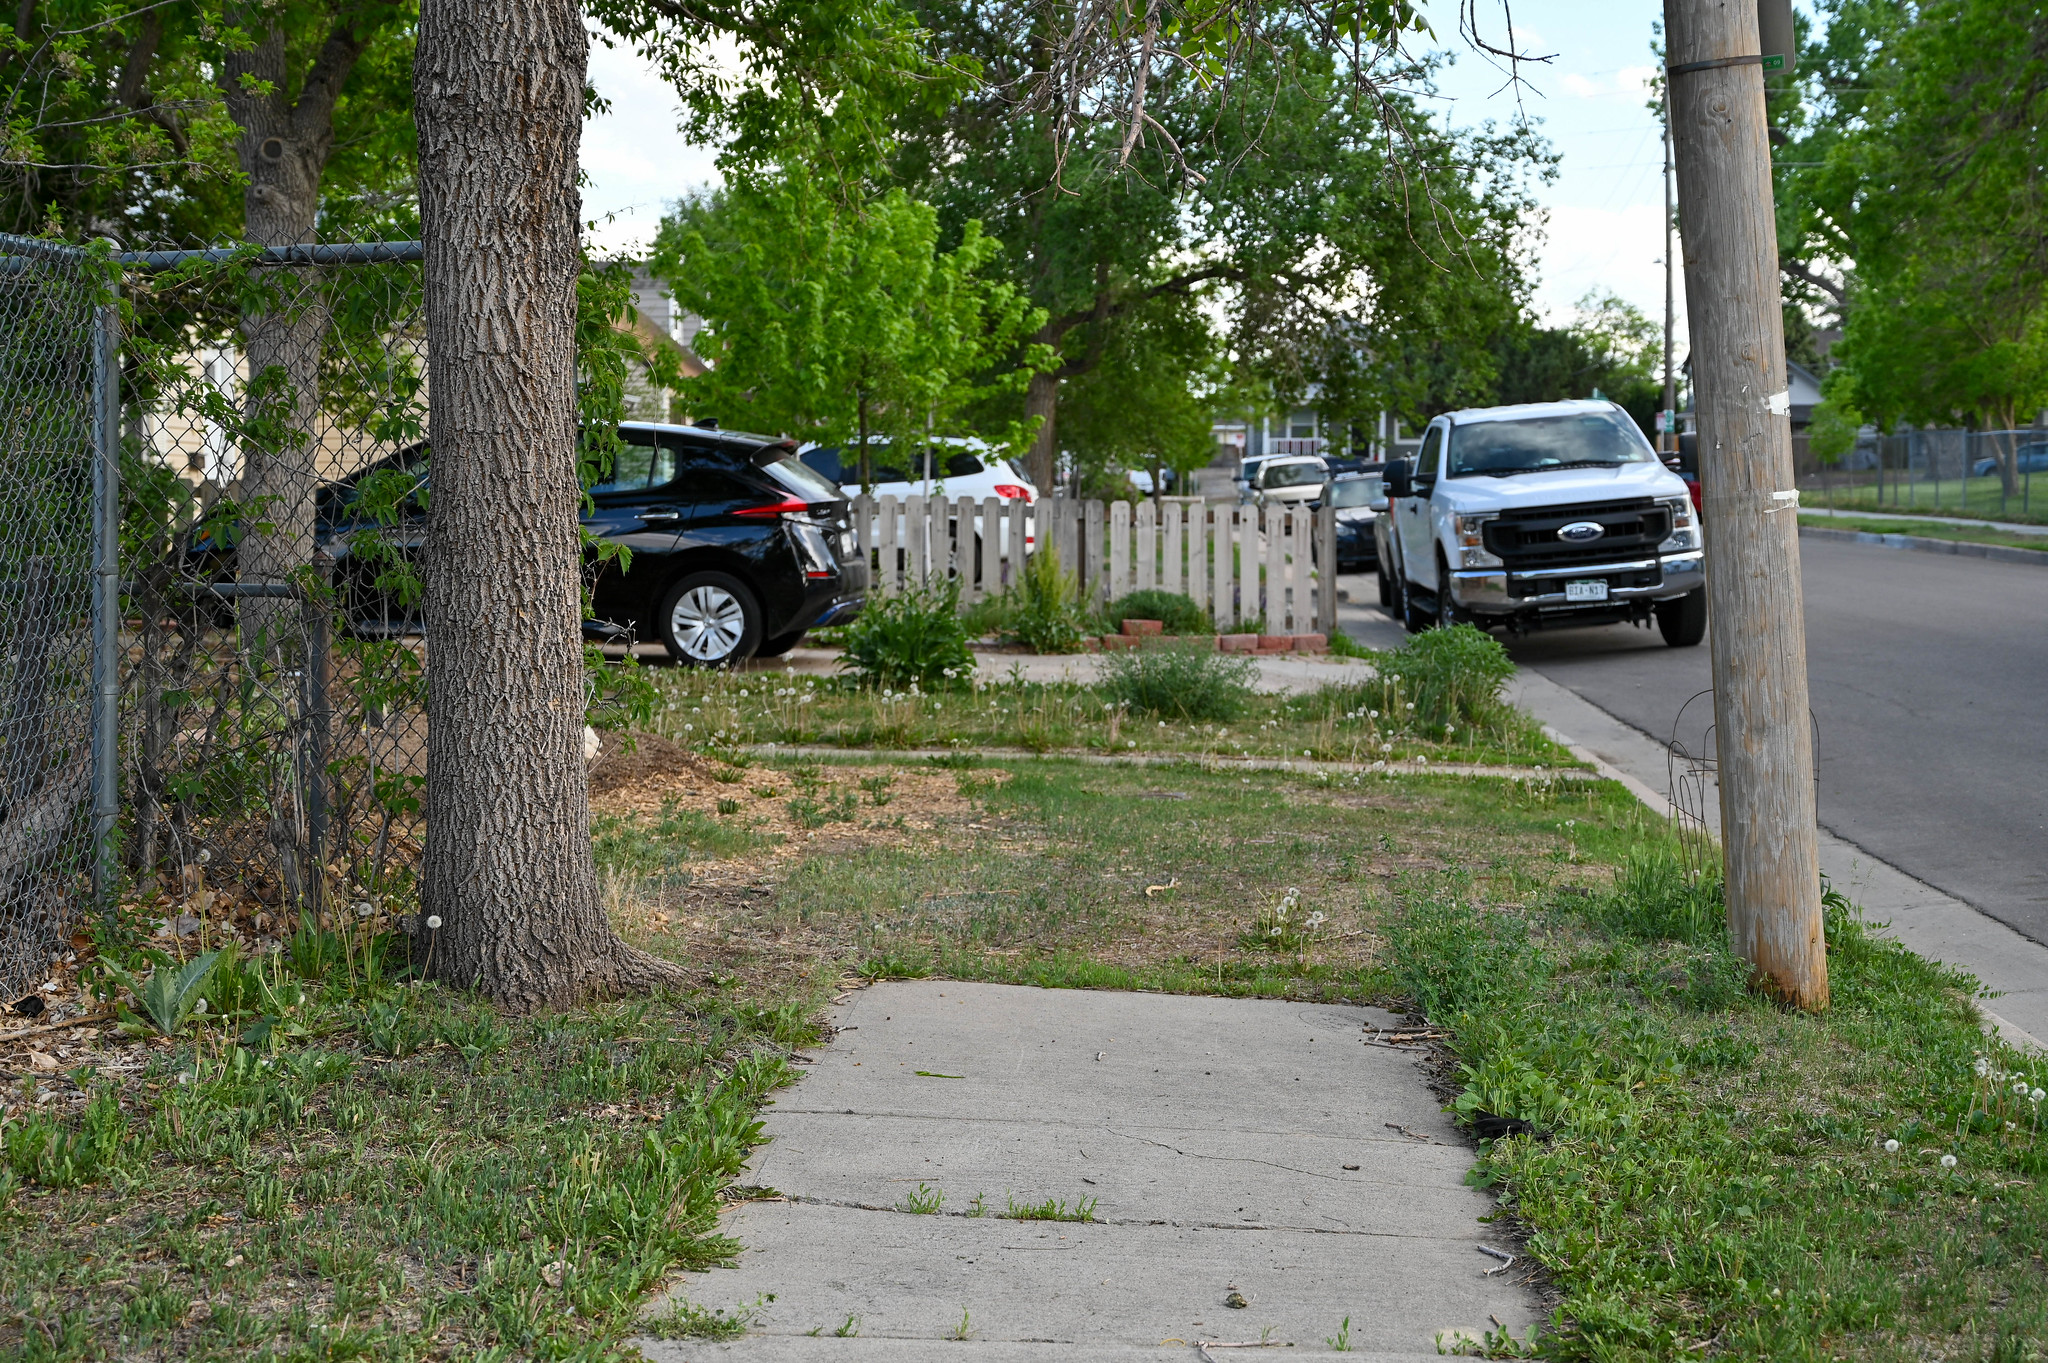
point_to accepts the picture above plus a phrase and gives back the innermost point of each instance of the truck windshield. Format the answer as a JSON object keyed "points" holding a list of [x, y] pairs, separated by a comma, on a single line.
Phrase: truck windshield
{"points": [[1293, 475], [1580, 440]]}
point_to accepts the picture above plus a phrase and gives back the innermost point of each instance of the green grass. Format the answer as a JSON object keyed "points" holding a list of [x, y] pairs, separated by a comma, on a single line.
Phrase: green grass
{"points": [[1712, 1175], [1970, 497], [507, 1188], [1931, 529], [723, 715]]}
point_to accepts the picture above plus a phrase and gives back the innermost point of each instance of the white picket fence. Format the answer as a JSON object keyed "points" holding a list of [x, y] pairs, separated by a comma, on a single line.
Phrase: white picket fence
{"points": [[1242, 563]]}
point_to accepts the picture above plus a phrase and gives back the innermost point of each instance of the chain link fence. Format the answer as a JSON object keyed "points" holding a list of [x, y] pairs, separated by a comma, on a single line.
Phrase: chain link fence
{"points": [[1954, 472], [50, 340], [274, 704]]}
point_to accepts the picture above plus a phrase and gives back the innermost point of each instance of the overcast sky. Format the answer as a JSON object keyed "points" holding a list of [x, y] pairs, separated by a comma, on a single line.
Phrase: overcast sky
{"points": [[1605, 209]]}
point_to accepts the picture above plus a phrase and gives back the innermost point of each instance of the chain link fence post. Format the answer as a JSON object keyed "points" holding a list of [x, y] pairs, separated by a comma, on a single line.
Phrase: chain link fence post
{"points": [[106, 603]]}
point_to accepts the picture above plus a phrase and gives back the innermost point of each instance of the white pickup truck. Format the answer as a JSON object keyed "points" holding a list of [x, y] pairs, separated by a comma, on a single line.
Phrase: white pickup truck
{"points": [[1532, 517]]}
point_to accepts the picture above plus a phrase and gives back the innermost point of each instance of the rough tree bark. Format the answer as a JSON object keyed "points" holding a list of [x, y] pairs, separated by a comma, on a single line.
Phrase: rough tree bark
{"points": [[498, 91]]}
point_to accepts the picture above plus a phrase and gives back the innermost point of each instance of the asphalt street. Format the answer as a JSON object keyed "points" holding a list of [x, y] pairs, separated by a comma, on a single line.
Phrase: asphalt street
{"points": [[1927, 674]]}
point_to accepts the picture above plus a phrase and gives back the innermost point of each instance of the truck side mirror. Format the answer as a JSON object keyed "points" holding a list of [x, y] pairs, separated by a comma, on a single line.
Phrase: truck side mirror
{"points": [[1396, 478]]}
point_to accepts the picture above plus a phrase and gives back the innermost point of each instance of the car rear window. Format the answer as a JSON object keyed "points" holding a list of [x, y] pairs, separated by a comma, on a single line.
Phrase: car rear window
{"points": [[961, 464], [804, 479]]}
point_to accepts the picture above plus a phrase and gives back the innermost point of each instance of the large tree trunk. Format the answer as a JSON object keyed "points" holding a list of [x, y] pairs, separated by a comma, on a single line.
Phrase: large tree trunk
{"points": [[1042, 400], [498, 89]]}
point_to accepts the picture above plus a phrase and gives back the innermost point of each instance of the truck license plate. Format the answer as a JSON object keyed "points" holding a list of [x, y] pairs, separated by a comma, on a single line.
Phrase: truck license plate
{"points": [[1585, 591]]}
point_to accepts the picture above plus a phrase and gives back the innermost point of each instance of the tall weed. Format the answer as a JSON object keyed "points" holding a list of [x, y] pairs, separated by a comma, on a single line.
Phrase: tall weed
{"points": [[912, 637], [1178, 681]]}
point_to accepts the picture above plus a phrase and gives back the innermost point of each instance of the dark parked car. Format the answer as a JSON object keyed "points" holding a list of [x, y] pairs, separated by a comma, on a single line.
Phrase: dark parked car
{"points": [[1358, 499], [736, 548], [2031, 457]]}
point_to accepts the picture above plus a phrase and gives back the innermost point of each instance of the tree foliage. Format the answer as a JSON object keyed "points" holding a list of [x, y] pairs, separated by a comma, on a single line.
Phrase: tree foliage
{"points": [[1927, 196], [837, 321], [1319, 231]]}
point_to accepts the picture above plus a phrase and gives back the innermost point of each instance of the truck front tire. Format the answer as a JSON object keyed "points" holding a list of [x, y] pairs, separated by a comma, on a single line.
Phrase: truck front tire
{"points": [[1683, 622]]}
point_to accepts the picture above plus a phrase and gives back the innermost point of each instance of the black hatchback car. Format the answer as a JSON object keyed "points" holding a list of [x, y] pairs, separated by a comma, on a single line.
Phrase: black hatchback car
{"points": [[737, 548]]}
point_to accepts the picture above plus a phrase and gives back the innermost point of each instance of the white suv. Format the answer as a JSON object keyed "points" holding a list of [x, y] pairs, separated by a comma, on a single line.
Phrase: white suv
{"points": [[1554, 513]]}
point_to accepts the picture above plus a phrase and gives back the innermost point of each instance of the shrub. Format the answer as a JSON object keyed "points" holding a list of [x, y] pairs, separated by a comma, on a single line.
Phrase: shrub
{"points": [[1453, 675], [1177, 681], [910, 636], [1047, 615], [1178, 613]]}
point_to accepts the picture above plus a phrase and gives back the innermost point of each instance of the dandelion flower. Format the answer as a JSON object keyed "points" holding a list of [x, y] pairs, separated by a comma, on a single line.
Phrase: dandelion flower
{"points": [[1891, 1147], [2037, 1095], [433, 920], [1948, 1161]]}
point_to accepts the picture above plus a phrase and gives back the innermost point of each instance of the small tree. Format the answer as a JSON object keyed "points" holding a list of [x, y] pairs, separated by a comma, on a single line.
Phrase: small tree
{"points": [[837, 321]]}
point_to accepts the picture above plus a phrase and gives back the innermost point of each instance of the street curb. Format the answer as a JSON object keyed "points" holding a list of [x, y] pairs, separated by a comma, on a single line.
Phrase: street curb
{"points": [[1998, 553]]}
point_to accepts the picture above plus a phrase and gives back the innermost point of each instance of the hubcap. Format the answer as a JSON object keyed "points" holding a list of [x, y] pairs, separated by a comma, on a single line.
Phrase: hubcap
{"points": [[707, 623]]}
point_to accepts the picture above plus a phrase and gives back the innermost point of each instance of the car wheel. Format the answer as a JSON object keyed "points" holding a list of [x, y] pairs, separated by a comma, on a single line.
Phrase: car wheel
{"points": [[710, 620], [1447, 612], [779, 645], [1683, 622], [1413, 617]]}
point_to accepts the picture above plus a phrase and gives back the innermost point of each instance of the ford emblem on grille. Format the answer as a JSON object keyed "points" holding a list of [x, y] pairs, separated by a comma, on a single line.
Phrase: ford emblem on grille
{"points": [[1581, 532]]}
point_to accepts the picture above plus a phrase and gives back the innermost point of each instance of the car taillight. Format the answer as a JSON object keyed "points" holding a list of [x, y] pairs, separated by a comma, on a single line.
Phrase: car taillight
{"points": [[1014, 491], [791, 507]]}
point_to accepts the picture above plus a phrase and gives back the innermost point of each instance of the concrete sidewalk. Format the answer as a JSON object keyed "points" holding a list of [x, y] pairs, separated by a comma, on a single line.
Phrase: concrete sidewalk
{"points": [[1290, 673], [1245, 1147]]}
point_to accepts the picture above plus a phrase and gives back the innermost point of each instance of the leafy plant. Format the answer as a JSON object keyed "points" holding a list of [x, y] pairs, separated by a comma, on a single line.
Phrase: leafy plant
{"points": [[1178, 681], [1052, 1209], [923, 1200], [1178, 614], [171, 995], [1047, 615], [911, 638], [391, 1029], [1454, 675]]}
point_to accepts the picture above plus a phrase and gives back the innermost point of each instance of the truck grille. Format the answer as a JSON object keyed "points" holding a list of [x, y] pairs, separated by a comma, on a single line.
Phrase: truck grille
{"points": [[1525, 539]]}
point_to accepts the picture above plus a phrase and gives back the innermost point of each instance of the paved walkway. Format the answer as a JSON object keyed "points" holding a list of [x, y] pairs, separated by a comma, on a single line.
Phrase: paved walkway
{"points": [[1887, 513], [1292, 673], [1229, 1150]]}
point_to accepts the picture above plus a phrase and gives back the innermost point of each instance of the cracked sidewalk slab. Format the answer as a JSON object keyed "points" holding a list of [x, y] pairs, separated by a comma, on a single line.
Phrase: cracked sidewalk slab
{"points": [[1254, 1146]]}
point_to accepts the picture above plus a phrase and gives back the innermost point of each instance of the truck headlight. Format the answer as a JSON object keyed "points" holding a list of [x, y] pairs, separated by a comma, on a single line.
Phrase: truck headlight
{"points": [[1471, 533], [1685, 526]]}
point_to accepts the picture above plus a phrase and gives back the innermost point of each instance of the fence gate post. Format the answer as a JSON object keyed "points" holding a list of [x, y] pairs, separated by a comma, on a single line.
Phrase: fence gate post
{"points": [[1326, 574], [1092, 583], [106, 601], [1224, 537], [1119, 550]]}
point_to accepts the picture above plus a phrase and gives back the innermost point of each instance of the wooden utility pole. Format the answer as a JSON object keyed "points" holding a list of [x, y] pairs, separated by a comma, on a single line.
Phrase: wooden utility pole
{"points": [[1667, 421], [1715, 89]]}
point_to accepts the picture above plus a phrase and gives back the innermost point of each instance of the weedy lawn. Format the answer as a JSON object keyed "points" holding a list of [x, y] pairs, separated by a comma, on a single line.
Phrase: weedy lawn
{"points": [[392, 1172], [1707, 1175], [725, 714]]}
